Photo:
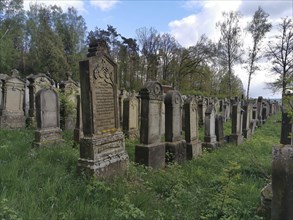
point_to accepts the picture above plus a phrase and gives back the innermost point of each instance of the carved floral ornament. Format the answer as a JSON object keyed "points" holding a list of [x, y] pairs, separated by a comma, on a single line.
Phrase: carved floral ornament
{"points": [[104, 70]]}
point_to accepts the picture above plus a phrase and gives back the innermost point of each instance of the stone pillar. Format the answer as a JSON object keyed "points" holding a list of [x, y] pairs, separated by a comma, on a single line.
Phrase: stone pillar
{"points": [[12, 101], [78, 133], [130, 116], [193, 145], [236, 135], [123, 95], [150, 151], [259, 110], [102, 149], [48, 133], [175, 146], [210, 138]]}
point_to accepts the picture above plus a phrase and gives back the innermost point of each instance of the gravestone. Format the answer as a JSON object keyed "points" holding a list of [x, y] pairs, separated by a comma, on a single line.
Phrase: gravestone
{"points": [[247, 120], [48, 131], [193, 145], [130, 116], [36, 83], [69, 90], [219, 130], [102, 149], [12, 101], [237, 117], [78, 132], [2, 79], [150, 151], [259, 110], [123, 95], [175, 146], [210, 138]]}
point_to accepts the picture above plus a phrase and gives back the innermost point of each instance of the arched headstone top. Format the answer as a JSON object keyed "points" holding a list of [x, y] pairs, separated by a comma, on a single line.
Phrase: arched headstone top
{"points": [[40, 78], [152, 90], [173, 97]]}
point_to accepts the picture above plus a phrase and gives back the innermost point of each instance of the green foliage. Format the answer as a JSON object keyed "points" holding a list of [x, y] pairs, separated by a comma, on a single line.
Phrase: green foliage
{"points": [[7, 212]]}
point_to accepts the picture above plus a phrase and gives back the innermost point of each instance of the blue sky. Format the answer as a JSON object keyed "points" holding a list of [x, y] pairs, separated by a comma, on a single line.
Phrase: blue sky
{"points": [[186, 20]]}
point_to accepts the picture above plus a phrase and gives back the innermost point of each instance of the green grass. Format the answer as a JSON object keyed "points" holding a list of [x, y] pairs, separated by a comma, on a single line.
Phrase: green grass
{"points": [[223, 184]]}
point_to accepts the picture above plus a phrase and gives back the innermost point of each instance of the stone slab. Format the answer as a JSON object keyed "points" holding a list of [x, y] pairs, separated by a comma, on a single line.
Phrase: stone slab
{"points": [[152, 155], [176, 151]]}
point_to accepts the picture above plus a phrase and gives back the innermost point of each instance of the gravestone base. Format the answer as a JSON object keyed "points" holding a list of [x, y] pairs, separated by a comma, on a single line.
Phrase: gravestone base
{"points": [[76, 136], [209, 146], [131, 134], [152, 155], [247, 133], [12, 121], [176, 151], [236, 139], [30, 122], [103, 157], [48, 137], [193, 149], [221, 141], [282, 179]]}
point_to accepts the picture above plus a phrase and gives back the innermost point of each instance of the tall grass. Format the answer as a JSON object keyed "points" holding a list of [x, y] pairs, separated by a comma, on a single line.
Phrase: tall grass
{"points": [[223, 184]]}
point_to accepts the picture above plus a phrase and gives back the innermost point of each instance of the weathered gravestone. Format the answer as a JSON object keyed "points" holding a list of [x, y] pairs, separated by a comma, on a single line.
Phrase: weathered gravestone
{"points": [[259, 110], [247, 120], [102, 149], [130, 116], [175, 146], [193, 145], [210, 138], [237, 117], [12, 101], [150, 151], [78, 132], [122, 95], [48, 131], [219, 129], [36, 83], [69, 90]]}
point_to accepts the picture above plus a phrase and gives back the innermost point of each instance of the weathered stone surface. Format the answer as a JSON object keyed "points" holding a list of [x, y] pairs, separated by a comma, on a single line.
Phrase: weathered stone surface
{"points": [[102, 149], [282, 179], [176, 151], [12, 101], [236, 135], [219, 129], [151, 95], [247, 118], [48, 131], [130, 116], [78, 131], [210, 138]]}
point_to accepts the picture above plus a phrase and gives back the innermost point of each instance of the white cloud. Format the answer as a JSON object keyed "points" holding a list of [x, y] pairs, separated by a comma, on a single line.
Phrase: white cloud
{"points": [[104, 5], [64, 4]]}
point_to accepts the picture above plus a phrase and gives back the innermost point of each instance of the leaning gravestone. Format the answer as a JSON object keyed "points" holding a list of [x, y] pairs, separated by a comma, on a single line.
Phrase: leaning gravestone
{"points": [[175, 146], [130, 116], [102, 149], [12, 101], [48, 131], [150, 151], [193, 145]]}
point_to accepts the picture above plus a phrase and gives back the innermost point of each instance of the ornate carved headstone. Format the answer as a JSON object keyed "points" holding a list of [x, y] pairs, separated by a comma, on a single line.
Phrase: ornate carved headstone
{"points": [[130, 116], [48, 131], [69, 89], [102, 149], [193, 145], [175, 146], [36, 83], [150, 151], [12, 101]]}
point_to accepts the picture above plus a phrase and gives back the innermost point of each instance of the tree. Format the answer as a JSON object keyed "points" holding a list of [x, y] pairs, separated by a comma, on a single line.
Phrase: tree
{"points": [[258, 28], [280, 53], [229, 45]]}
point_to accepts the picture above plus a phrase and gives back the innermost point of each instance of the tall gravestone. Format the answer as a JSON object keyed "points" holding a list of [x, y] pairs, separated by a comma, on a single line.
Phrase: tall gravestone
{"points": [[12, 101], [193, 145], [237, 117], [78, 132], [282, 167], [130, 116], [48, 131], [219, 129], [69, 90], [175, 146], [259, 110], [102, 149], [210, 138], [150, 151], [247, 120], [36, 83], [122, 95]]}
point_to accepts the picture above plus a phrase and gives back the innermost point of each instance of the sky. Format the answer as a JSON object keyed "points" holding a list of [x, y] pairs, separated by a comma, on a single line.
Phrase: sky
{"points": [[186, 20]]}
